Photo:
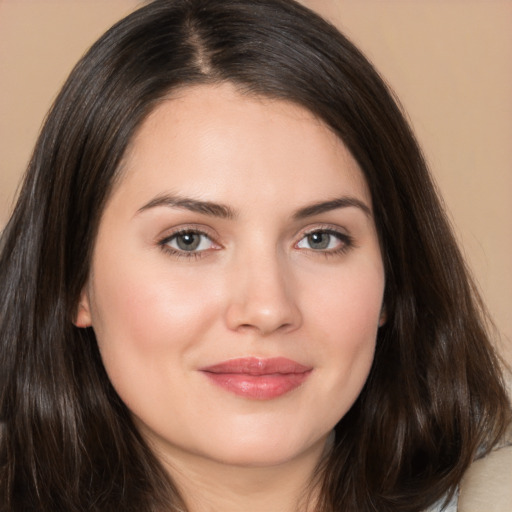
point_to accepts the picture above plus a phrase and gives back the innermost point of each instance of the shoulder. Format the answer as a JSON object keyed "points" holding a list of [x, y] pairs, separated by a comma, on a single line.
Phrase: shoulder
{"points": [[450, 507], [487, 484]]}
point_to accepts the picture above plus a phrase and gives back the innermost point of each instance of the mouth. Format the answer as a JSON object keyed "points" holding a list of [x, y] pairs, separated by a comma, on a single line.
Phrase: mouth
{"points": [[258, 379]]}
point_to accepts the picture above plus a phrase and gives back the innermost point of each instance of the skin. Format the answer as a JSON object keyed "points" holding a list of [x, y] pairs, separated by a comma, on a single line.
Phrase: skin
{"points": [[256, 285]]}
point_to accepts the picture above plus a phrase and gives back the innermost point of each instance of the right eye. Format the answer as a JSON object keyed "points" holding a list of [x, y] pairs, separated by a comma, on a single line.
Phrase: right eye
{"points": [[188, 243]]}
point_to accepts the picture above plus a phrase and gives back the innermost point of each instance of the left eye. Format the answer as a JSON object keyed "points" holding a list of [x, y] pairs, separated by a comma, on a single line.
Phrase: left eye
{"points": [[321, 241], [189, 241]]}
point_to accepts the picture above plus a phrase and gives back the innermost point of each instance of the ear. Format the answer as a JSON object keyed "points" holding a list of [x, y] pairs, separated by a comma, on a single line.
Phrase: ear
{"points": [[383, 316], [83, 313]]}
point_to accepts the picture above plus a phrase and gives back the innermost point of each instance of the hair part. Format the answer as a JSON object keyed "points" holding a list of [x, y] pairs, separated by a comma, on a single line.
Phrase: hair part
{"points": [[434, 398]]}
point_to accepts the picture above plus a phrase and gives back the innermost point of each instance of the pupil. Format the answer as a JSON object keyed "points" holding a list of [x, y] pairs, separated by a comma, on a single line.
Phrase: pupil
{"points": [[188, 241], [318, 240]]}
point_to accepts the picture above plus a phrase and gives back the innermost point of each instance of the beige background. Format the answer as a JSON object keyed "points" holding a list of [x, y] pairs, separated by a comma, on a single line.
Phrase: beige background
{"points": [[450, 62]]}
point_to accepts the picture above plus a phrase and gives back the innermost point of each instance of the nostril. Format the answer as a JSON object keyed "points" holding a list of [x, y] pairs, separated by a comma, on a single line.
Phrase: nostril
{"points": [[249, 316]]}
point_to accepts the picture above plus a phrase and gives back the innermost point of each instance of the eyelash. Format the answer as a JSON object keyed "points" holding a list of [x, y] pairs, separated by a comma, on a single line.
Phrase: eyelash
{"points": [[347, 243], [164, 244]]}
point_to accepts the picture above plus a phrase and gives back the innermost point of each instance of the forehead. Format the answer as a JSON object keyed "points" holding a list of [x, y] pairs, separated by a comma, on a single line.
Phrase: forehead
{"points": [[213, 140]]}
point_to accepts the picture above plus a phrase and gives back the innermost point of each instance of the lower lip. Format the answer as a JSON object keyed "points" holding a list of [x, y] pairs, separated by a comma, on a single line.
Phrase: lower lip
{"points": [[258, 387]]}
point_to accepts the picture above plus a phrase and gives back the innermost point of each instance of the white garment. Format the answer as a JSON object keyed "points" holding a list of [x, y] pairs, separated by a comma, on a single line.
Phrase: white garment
{"points": [[487, 484], [451, 507]]}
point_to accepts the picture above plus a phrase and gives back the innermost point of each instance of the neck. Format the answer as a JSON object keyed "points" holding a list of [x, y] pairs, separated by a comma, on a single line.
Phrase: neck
{"points": [[211, 486]]}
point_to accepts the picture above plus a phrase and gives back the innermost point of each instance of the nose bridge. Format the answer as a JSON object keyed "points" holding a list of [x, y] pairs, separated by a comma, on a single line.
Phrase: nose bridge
{"points": [[261, 292]]}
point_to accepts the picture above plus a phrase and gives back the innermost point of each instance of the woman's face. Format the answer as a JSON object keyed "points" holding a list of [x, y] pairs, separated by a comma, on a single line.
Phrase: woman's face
{"points": [[236, 284]]}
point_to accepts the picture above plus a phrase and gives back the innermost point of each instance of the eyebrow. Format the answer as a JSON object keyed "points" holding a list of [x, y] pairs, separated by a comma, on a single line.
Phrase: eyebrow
{"points": [[333, 204], [226, 212], [193, 205]]}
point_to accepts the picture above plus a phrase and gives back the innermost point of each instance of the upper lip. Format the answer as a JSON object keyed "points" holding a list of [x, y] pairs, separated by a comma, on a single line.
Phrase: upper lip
{"points": [[258, 366]]}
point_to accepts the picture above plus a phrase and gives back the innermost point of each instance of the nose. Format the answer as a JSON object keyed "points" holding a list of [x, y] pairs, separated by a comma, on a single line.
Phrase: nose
{"points": [[262, 297]]}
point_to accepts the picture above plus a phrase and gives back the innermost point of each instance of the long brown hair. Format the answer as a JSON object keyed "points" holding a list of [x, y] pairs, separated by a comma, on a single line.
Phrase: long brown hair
{"points": [[434, 398]]}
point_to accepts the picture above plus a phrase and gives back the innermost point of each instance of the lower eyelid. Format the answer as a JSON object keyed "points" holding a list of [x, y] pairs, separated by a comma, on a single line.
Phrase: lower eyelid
{"points": [[177, 254], [345, 243]]}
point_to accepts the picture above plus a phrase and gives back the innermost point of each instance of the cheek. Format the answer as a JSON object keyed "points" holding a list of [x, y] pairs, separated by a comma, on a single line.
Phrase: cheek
{"points": [[350, 304], [141, 314], [147, 325], [346, 318]]}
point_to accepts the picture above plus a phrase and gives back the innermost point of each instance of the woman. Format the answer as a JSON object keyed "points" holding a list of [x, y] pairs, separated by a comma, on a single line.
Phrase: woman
{"points": [[228, 283]]}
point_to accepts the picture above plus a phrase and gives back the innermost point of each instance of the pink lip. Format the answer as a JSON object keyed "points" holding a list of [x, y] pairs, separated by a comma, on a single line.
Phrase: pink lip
{"points": [[259, 379]]}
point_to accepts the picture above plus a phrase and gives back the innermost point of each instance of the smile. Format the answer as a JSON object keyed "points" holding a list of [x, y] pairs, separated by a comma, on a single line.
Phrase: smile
{"points": [[258, 379]]}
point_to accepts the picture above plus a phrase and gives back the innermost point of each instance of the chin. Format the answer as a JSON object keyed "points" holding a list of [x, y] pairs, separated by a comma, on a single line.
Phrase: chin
{"points": [[266, 451]]}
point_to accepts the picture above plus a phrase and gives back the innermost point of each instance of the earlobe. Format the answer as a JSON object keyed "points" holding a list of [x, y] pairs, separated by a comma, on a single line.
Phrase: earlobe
{"points": [[83, 313], [383, 316]]}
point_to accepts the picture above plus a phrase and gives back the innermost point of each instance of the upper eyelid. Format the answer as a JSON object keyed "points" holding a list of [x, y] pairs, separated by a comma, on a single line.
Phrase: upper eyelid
{"points": [[207, 230], [344, 238], [164, 243], [215, 237], [171, 236], [174, 237], [333, 228], [187, 228]]}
